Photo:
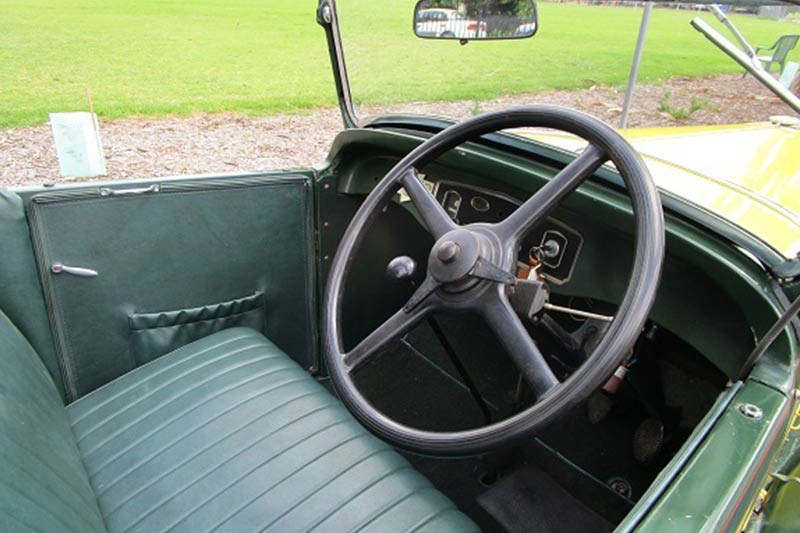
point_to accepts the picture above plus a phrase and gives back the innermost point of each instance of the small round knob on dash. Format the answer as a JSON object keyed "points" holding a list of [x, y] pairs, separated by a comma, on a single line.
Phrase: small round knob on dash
{"points": [[551, 248], [401, 267]]}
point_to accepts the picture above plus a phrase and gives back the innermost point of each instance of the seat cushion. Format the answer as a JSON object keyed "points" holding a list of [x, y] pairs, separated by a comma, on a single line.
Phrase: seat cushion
{"points": [[229, 433]]}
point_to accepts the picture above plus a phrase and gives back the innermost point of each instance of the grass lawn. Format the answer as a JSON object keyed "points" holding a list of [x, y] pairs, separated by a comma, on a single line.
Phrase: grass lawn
{"points": [[155, 57]]}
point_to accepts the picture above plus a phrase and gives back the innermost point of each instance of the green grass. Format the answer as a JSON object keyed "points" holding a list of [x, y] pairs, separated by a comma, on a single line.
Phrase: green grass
{"points": [[158, 57]]}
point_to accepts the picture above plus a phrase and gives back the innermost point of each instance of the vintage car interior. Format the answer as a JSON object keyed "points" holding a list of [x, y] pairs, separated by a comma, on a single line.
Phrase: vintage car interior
{"points": [[438, 329]]}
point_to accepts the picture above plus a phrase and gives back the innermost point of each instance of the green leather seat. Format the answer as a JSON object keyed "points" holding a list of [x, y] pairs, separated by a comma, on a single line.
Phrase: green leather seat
{"points": [[224, 433]]}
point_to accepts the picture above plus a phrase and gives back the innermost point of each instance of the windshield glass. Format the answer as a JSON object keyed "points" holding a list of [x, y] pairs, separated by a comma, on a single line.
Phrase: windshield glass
{"points": [[581, 58], [579, 46]]}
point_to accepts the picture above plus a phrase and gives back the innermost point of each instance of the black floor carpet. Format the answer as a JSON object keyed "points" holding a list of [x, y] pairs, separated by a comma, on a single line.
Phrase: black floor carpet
{"points": [[530, 500]]}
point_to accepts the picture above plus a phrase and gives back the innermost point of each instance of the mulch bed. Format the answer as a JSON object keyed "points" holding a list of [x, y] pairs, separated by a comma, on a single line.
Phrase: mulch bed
{"points": [[228, 142]]}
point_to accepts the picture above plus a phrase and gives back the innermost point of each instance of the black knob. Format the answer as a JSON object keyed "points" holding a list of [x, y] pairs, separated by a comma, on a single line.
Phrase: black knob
{"points": [[401, 267]]}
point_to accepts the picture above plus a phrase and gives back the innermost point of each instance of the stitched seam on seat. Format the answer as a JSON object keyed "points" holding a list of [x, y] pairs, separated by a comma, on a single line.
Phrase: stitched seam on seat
{"points": [[151, 392], [305, 498], [68, 505], [139, 370], [361, 491], [285, 478], [98, 446], [264, 463], [168, 401], [220, 465], [214, 443], [99, 468], [419, 525], [90, 502], [19, 521], [389, 507], [199, 427], [37, 504]]}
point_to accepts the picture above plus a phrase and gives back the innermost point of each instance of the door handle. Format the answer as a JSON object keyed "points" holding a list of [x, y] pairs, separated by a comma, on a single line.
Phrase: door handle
{"points": [[107, 191], [59, 268]]}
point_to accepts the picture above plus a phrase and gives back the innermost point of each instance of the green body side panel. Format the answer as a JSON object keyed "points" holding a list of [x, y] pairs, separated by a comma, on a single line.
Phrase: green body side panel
{"points": [[43, 483], [175, 265], [778, 509], [20, 291], [721, 481]]}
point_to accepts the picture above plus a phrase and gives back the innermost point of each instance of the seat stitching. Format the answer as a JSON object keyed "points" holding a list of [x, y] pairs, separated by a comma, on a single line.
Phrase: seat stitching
{"points": [[164, 403], [214, 443], [389, 507], [361, 491], [49, 467], [21, 522], [199, 427], [309, 495], [98, 468], [226, 461], [151, 392], [139, 369], [429, 519], [140, 382], [285, 478], [356, 495], [68, 505], [6, 486]]}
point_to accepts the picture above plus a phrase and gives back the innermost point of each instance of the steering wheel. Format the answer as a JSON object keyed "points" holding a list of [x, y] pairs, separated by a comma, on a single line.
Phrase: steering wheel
{"points": [[470, 269]]}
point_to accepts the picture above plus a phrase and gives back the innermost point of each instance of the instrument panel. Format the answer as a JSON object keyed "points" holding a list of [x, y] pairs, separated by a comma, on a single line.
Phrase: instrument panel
{"points": [[554, 244]]}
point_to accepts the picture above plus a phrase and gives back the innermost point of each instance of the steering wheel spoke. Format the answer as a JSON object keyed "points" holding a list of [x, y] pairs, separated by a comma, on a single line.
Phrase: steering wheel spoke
{"points": [[433, 214], [522, 349], [545, 199], [395, 326]]}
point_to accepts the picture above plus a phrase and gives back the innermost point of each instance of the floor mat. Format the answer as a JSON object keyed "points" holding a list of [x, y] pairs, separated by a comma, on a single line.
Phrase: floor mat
{"points": [[530, 500]]}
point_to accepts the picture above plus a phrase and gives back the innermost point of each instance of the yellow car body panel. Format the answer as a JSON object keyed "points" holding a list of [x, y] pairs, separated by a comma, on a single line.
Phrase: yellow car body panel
{"points": [[748, 174]]}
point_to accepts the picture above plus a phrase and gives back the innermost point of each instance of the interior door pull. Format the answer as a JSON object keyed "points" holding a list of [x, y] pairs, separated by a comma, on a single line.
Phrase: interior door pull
{"points": [[58, 268], [106, 191]]}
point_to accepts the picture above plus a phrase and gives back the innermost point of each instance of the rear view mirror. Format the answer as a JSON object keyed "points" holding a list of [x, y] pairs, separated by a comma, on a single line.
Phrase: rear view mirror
{"points": [[467, 20]]}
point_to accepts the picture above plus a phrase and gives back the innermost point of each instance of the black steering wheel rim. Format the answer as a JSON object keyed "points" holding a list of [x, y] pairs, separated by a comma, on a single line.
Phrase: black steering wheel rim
{"points": [[604, 144]]}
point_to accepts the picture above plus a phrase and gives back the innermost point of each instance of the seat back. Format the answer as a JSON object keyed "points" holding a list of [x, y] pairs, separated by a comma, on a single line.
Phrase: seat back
{"points": [[43, 482], [783, 46]]}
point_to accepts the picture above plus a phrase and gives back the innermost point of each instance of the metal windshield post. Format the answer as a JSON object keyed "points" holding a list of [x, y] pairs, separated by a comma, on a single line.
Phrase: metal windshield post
{"points": [[637, 59]]}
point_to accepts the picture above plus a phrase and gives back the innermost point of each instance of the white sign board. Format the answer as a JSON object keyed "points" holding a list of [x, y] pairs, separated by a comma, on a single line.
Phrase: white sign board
{"points": [[77, 138]]}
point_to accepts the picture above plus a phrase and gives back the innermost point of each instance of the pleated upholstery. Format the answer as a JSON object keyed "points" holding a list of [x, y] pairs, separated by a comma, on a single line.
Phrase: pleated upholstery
{"points": [[43, 484], [229, 434]]}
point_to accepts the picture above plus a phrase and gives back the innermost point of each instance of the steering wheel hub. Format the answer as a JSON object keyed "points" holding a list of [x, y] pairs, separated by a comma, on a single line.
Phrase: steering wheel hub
{"points": [[448, 251], [454, 255]]}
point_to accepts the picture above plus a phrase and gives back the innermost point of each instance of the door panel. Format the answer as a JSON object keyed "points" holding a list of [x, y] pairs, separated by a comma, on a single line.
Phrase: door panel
{"points": [[175, 261]]}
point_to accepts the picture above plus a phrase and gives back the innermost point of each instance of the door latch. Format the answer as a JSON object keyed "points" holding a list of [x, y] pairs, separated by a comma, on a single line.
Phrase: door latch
{"points": [[59, 268]]}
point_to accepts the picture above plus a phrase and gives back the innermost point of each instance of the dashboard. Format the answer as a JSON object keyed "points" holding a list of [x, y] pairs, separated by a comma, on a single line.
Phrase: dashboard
{"points": [[553, 244], [707, 296]]}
